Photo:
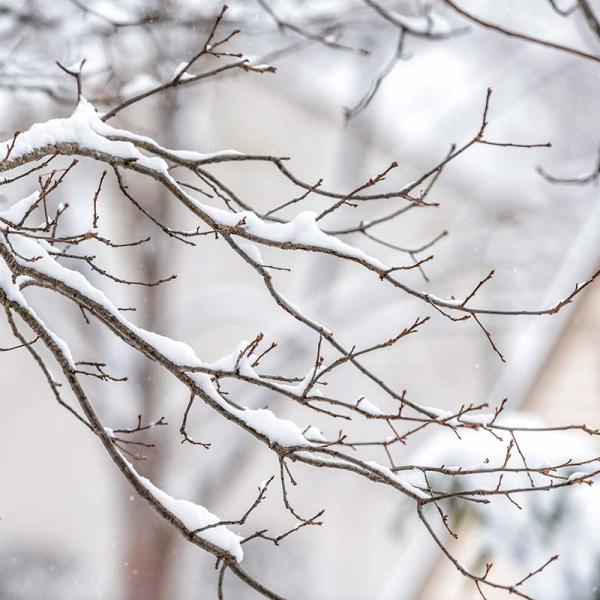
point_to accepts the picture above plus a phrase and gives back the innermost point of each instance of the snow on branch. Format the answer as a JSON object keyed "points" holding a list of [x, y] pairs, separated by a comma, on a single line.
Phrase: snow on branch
{"points": [[194, 517], [38, 251]]}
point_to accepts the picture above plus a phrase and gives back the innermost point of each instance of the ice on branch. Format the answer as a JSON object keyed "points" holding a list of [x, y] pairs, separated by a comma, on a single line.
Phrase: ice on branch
{"points": [[578, 475], [367, 406], [241, 363], [477, 419], [314, 434], [262, 421], [194, 516], [181, 73], [303, 230], [439, 413], [86, 129], [27, 248], [405, 485], [279, 431], [88, 133], [15, 213], [252, 251], [13, 293], [444, 301], [83, 128], [258, 67], [453, 418]]}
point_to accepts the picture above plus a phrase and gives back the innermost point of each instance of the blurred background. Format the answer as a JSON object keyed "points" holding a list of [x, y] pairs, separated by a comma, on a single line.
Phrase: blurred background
{"points": [[69, 526]]}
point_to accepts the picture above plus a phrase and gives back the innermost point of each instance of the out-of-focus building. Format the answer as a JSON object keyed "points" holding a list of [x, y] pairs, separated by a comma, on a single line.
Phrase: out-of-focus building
{"points": [[63, 530], [565, 389]]}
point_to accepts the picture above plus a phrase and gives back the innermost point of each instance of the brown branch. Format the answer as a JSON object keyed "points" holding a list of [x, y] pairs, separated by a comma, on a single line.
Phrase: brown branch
{"points": [[520, 36]]}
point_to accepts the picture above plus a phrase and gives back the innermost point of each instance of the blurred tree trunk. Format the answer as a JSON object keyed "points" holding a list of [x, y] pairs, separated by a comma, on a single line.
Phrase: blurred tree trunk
{"points": [[150, 540]]}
